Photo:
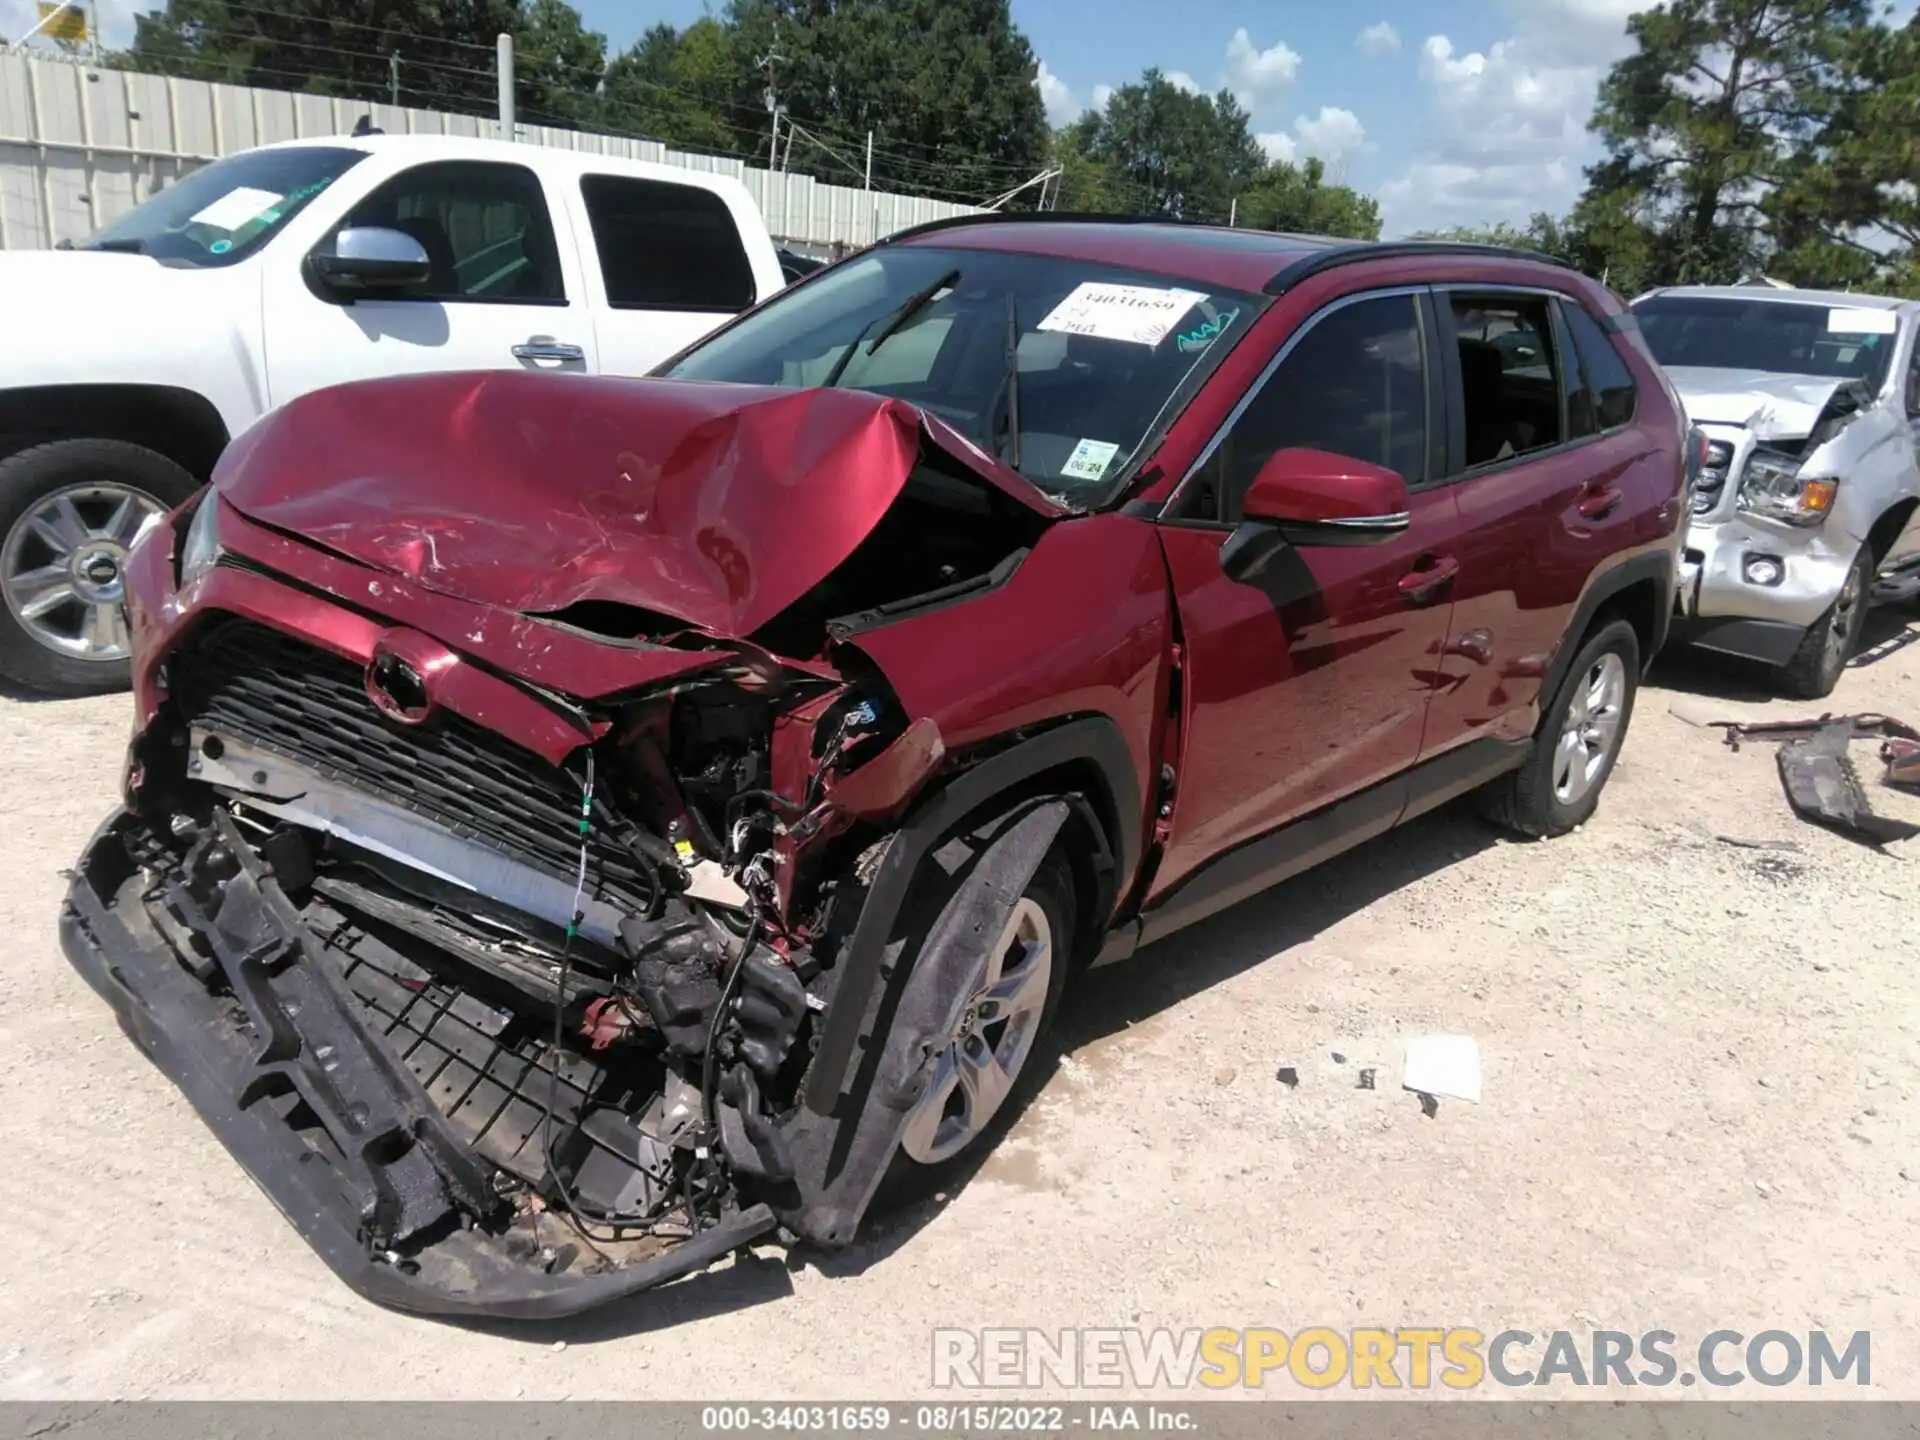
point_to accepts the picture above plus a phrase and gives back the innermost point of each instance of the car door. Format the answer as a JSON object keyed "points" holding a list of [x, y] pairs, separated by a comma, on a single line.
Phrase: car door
{"points": [[668, 265], [1311, 682], [1542, 454], [504, 292]]}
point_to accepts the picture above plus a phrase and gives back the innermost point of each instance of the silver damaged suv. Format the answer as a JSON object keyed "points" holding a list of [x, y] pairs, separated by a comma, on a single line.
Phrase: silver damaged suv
{"points": [[1804, 510]]}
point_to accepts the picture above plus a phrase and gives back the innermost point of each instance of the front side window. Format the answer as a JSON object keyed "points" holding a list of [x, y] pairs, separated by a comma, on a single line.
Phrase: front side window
{"points": [[1778, 336], [224, 212], [666, 247], [1509, 381], [1103, 357], [485, 229], [1354, 384]]}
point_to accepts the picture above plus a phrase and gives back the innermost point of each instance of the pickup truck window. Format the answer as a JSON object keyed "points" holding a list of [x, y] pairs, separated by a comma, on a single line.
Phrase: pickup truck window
{"points": [[1066, 369], [223, 212], [666, 247], [485, 229]]}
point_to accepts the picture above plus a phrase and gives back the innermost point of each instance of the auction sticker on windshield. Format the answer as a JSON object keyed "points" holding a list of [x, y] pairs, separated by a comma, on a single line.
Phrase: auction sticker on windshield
{"points": [[1862, 322], [1090, 459], [236, 208], [1139, 314]]}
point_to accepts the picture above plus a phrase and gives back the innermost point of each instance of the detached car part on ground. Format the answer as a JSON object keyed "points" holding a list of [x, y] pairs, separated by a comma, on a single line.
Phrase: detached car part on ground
{"points": [[574, 828], [1807, 509]]}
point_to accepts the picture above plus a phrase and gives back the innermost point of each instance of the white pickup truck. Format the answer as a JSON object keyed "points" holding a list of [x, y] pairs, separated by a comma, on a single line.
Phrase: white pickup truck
{"points": [[136, 354]]}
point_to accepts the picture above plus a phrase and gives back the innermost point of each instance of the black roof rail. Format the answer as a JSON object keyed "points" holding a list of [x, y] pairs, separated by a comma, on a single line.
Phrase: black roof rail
{"points": [[1080, 217], [1307, 266]]}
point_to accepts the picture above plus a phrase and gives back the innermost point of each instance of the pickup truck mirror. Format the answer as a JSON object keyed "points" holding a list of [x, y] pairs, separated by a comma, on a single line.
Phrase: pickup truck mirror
{"points": [[1312, 497], [368, 259]]}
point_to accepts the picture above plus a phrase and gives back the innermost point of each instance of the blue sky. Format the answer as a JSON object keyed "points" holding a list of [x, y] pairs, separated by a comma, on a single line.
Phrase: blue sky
{"points": [[1451, 111]]}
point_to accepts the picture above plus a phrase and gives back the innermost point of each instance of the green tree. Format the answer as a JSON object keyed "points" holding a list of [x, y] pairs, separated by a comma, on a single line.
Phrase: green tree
{"points": [[1702, 122], [1297, 198], [346, 47], [1171, 152], [677, 86]]}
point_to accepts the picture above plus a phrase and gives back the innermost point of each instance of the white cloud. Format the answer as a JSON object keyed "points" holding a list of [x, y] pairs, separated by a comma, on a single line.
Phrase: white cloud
{"points": [[1257, 76], [1335, 135], [1507, 133], [1279, 146], [1379, 39], [1101, 95], [1063, 106], [1181, 80]]}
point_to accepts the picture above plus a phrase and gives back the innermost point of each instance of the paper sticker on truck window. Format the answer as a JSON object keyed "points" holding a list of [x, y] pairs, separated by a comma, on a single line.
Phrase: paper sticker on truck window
{"points": [[236, 208], [1138, 314], [1089, 460], [1862, 322]]}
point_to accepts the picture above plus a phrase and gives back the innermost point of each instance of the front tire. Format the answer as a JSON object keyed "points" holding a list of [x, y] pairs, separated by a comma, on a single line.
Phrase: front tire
{"points": [[1831, 640], [1578, 741], [69, 513], [977, 1083]]}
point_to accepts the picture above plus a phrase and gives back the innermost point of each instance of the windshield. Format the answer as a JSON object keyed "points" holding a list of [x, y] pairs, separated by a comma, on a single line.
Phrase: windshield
{"points": [[1770, 335], [223, 212], [1106, 356]]}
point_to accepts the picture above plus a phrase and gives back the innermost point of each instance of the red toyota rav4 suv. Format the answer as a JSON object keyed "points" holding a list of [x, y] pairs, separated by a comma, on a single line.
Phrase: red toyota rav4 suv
{"points": [[653, 812]]}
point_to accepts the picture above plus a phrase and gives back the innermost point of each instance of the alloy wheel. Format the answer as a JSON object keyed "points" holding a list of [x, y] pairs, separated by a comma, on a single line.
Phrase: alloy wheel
{"points": [[63, 567], [1592, 729]]}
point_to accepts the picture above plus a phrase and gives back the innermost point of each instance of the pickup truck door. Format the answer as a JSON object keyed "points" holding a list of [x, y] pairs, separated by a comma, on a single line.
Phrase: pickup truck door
{"points": [[506, 289], [1311, 683], [665, 264]]}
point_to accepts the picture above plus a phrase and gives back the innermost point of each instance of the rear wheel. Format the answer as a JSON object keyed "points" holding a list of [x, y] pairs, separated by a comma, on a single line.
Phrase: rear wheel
{"points": [[1578, 741], [69, 514], [1830, 641]]}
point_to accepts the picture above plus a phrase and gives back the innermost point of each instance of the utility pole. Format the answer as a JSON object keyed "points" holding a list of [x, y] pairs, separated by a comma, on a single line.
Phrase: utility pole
{"points": [[393, 77], [1233, 211], [504, 51], [767, 62]]}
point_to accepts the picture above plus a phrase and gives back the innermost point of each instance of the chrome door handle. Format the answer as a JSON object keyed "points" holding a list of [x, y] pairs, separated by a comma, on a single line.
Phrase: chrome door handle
{"points": [[545, 347]]}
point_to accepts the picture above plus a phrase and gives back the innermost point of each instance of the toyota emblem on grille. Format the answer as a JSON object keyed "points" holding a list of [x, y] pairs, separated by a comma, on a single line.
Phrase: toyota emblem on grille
{"points": [[398, 690]]}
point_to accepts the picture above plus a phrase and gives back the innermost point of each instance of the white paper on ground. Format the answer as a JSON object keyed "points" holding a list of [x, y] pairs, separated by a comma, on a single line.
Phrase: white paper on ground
{"points": [[1862, 322], [1139, 314], [1445, 1065], [237, 207]]}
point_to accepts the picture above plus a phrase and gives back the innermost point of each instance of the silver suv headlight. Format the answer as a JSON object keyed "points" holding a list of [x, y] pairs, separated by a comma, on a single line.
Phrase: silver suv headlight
{"points": [[1771, 487], [201, 548]]}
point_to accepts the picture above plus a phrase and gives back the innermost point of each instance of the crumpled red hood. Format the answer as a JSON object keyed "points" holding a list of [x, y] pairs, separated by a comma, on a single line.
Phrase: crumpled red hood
{"points": [[718, 505]]}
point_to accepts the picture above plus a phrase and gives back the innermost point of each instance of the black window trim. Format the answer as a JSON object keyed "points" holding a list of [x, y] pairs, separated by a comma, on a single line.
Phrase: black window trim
{"points": [[1170, 511], [565, 302], [1457, 470], [651, 309]]}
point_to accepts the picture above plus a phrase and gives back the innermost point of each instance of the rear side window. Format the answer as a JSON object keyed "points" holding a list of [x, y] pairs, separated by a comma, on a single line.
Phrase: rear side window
{"points": [[484, 226], [1355, 384], [1607, 374], [1573, 383], [1509, 376], [666, 247]]}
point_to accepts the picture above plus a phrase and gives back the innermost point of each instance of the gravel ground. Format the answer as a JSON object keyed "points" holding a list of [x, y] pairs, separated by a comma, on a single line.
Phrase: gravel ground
{"points": [[1701, 1063]]}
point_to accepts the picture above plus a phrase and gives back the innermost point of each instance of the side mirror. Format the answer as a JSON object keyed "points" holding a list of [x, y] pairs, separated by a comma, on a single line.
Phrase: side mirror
{"points": [[1312, 497], [367, 260]]}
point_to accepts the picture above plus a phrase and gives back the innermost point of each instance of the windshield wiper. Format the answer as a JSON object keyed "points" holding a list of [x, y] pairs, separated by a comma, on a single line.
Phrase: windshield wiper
{"points": [[116, 247], [1010, 387], [892, 324]]}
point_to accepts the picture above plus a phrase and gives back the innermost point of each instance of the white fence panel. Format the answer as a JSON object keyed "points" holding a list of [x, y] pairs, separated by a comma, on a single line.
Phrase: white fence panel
{"points": [[79, 146]]}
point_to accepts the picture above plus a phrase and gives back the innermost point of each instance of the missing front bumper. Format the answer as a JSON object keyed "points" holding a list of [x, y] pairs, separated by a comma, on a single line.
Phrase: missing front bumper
{"points": [[394, 1202]]}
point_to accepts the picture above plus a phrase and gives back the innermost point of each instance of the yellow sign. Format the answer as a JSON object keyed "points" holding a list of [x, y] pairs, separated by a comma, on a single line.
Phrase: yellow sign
{"points": [[63, 22]]}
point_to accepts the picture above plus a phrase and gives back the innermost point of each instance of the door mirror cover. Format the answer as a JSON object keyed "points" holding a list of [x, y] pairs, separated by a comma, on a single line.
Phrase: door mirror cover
{"points": [[368, 259], [1318, 498]]}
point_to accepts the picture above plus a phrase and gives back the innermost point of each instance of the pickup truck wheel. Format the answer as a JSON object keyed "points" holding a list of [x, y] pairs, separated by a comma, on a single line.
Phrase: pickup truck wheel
{"points": [[69, 513], [1578, 741], [1830, 641], [981, 1077]]}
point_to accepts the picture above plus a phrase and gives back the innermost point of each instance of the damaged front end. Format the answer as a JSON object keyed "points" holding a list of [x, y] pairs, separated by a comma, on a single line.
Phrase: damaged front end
{"points": [[508, 996]]}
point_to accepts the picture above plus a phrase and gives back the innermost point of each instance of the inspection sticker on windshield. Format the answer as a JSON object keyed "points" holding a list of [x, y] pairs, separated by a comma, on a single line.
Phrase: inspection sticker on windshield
{"points": [[1089, 460], [1862, 322], [235, 208], [1139, 314]]}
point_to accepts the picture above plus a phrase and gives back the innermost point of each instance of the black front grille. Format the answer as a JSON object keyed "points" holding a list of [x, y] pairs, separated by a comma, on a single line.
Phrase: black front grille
{"points": [[253, 683]]}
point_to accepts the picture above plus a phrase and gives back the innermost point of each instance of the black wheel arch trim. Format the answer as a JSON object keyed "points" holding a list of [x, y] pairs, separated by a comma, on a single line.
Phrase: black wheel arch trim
{"points": [[1658, 567]]}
